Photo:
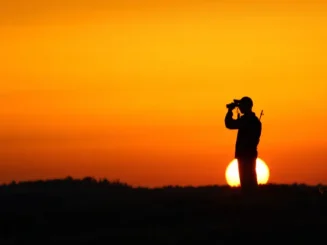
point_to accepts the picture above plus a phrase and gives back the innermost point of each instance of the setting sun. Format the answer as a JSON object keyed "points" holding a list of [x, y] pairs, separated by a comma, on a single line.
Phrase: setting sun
{"points": [[232, 176]]}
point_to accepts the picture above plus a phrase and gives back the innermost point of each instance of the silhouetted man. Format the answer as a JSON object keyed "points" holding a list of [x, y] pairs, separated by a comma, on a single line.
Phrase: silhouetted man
{"points": [[248, 137]]}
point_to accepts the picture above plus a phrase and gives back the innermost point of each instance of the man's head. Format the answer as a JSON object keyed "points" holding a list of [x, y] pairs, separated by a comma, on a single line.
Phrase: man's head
{"points": [[245, 104]]}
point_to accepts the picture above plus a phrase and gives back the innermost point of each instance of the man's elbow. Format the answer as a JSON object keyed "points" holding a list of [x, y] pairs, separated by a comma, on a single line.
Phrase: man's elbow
{"points": [[229, 125]]}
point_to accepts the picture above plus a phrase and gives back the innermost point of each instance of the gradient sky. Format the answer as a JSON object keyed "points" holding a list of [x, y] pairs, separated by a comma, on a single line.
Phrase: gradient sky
{"points": [[136, 90]]}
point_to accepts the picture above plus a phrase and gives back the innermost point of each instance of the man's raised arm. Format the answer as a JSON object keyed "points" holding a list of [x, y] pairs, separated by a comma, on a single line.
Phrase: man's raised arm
{"points": [[231, 123]]}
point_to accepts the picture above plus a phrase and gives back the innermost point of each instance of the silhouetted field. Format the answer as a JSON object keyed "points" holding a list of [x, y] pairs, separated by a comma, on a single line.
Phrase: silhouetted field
{"points": [[102, 212]]}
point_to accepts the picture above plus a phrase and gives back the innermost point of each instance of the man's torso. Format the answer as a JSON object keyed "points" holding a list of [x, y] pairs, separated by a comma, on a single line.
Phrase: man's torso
{"points": [[248, 136]]}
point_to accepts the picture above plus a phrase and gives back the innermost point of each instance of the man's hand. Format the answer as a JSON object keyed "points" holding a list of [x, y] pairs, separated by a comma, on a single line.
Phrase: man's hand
{"points": [[229, 121], [231, 106]]}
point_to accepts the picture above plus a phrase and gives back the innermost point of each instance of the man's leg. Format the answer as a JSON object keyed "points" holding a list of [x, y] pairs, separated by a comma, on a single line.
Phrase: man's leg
{"points": [[241, 171], [252, 174], [247, 173]]}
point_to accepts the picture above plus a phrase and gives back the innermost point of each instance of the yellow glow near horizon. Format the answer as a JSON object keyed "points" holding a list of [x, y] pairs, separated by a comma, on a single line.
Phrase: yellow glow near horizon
{"points": [[232, 175]]}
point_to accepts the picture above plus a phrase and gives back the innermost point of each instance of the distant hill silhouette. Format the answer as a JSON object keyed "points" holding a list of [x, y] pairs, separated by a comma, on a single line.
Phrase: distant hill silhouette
{"points": [[90, 211]]}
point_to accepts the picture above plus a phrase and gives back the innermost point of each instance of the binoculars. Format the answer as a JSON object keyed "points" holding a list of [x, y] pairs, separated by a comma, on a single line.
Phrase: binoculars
{"points": [[233, 104]]}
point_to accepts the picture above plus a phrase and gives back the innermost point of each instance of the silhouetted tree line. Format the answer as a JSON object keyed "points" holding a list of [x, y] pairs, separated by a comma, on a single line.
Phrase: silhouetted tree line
{"points": [[90, 211]]}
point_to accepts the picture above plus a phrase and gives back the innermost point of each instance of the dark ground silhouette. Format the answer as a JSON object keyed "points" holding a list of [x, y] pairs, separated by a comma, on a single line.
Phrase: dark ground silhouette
{"points": [[101, 212]]}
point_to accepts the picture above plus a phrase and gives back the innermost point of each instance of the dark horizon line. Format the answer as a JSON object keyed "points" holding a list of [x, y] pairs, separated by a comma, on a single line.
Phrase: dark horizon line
{"points": [[118, 182]]}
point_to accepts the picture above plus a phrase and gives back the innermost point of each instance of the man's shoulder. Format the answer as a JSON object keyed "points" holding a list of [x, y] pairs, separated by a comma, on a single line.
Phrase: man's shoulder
{"points": [[250, 118], [256, 119]]}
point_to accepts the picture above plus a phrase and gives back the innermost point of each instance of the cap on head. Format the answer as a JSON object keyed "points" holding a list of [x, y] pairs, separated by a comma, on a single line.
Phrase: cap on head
{"points": [[246, 102]]}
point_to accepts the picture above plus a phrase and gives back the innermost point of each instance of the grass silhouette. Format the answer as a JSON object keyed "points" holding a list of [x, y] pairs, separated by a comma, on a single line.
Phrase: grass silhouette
{"points": [[90, 211]]}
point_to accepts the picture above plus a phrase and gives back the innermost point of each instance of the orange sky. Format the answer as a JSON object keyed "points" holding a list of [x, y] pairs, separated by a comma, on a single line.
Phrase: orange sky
{"points": [[136, 91]]}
